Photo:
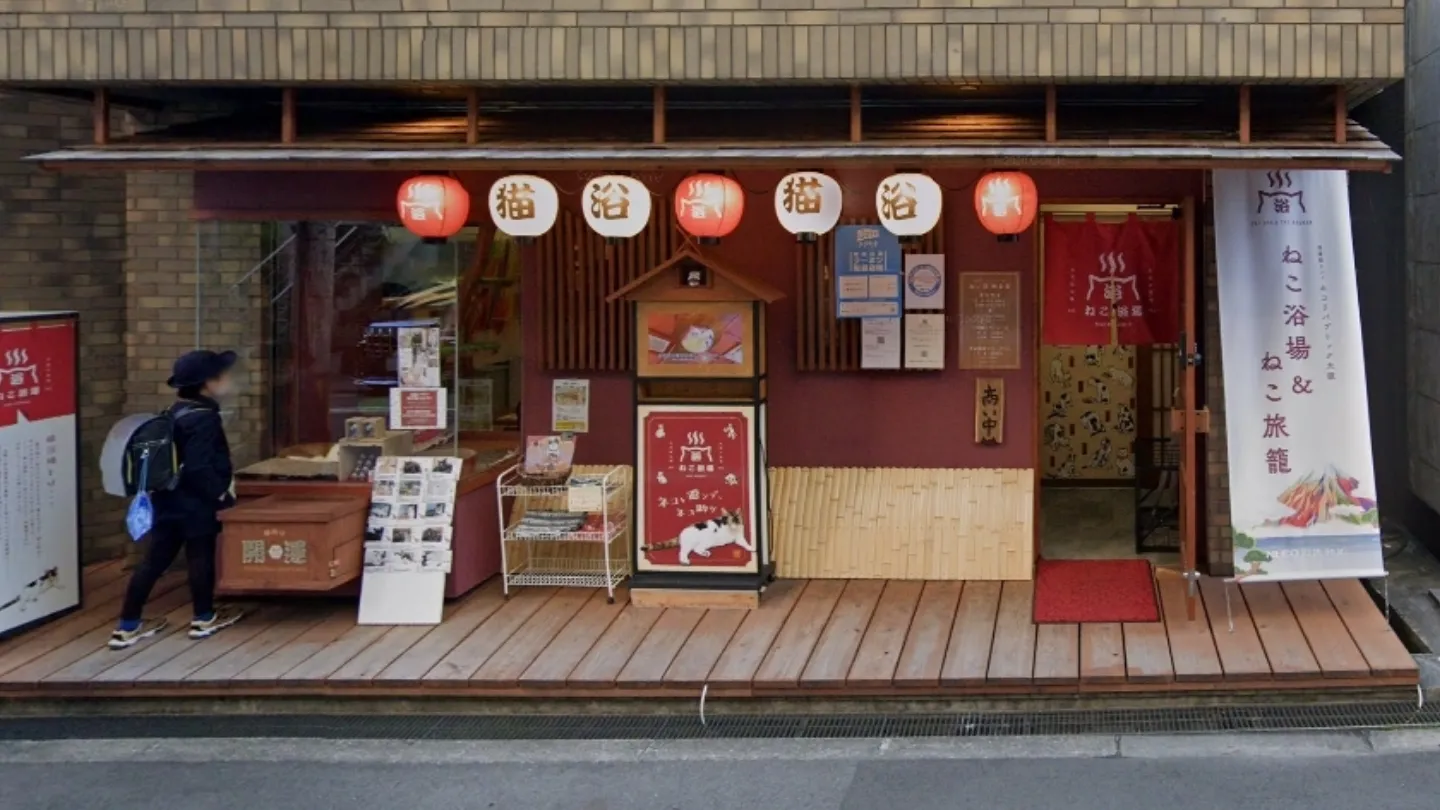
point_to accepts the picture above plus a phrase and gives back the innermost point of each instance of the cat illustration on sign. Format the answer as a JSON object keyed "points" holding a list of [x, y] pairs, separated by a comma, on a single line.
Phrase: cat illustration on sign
{"points": [[703, 537], [35, 588]]}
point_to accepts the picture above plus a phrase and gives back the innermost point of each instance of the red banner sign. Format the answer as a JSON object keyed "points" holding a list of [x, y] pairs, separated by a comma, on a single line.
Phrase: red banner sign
{"points": [[1111, 282], [37, 370], [697, 479]]}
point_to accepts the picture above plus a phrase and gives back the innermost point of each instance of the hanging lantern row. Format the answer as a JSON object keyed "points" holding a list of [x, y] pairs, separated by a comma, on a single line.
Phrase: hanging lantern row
{"points": [[710, 206]]}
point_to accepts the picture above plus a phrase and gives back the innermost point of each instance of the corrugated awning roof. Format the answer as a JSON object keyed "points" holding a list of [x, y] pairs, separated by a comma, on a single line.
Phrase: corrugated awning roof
{"points": [[1363, 153]]}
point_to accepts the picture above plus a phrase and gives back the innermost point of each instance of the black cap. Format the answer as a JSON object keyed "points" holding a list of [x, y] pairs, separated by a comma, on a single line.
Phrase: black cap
{"points": [[199, 367]]}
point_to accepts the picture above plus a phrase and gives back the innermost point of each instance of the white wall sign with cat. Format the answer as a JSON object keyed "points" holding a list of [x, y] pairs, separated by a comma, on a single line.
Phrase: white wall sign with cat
{"points": [[696, 487], [39, 486]]}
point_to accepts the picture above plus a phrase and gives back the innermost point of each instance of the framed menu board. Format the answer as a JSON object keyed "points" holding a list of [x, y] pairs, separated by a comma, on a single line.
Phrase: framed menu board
{"points": [[989, 320]]}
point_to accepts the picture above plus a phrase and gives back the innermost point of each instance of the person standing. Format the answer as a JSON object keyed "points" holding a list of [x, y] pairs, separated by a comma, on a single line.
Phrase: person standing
{"points": [[187, 516]]}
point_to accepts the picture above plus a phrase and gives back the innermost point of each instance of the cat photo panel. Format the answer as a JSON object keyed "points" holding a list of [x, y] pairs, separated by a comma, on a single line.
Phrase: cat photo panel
{"points": [[696, 489]]}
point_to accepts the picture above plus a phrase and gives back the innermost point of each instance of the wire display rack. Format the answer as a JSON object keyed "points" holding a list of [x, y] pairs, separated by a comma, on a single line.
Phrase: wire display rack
{"points": [[571, 532]]}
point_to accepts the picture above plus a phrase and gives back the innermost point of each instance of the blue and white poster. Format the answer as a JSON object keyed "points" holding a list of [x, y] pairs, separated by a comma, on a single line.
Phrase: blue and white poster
{"points": [[868, 277], [1297, 422]]}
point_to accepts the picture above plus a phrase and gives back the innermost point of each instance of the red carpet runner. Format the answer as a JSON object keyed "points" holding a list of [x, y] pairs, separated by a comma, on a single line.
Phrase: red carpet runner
{"points": [[1087, 591]]}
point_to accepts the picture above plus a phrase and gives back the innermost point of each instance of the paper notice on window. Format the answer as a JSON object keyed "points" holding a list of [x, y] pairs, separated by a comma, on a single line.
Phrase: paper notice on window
{"points": [[570, 406], [925, 341], [880, 343], [417, 408]]}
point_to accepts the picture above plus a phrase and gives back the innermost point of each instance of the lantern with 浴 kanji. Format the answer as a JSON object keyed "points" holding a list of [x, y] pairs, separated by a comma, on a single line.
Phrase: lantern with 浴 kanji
{"points": [[433, 207], [1006, 203], [709, 206]]}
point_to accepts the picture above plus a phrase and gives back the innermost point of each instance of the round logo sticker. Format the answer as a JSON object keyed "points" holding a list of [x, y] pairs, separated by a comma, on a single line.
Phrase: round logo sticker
{"points": [[923, 280]]}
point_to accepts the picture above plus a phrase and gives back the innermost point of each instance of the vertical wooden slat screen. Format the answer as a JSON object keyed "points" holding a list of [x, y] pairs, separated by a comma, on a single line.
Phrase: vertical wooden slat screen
{"points": [[822, 341], [582, 332]]}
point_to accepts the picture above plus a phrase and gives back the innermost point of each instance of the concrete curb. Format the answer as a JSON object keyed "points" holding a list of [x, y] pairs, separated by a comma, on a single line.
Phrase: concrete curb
{"points": [[454, 752]]}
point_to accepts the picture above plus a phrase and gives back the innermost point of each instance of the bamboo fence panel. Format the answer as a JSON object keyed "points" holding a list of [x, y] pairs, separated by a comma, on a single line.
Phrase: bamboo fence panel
{"points": [[895, 523]]}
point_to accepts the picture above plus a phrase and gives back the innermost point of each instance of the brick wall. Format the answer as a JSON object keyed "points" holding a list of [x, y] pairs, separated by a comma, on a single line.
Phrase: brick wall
{"points": [[1422, 181], [62, 247], [184, 290], [697, 40], [1219, 539]]}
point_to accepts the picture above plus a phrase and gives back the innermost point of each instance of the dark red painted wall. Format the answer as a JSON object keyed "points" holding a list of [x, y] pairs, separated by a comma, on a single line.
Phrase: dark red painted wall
{"points": [[863, 419]]}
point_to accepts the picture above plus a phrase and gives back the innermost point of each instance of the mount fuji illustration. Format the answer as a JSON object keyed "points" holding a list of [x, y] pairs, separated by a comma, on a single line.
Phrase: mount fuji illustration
{"points": [[1325, 497]]}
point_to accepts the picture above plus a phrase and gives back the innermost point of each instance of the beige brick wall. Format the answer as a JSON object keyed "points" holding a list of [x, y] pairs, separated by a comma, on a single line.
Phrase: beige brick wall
{"points": [[699, 40], [1219, 540], [184, 290], [62, 247]]}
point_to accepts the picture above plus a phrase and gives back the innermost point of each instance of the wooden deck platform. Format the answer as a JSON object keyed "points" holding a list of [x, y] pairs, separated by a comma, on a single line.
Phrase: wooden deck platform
{"points": [[810, 638]]}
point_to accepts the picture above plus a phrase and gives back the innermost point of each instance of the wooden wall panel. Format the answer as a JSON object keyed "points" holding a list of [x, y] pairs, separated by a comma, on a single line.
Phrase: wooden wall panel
{"points": [[577, 269], [890, 523], [822, 341]]}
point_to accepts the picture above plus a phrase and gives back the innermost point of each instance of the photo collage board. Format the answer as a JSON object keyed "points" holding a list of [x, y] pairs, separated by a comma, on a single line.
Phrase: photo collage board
{"points": [[412, 508]]}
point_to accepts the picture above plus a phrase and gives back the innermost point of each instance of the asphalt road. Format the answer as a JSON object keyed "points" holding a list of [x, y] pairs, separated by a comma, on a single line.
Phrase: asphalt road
{"points": [[1168, 774]]}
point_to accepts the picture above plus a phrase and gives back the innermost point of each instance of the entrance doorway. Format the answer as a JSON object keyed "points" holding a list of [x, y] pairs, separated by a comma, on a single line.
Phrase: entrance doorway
{"points": [[1111, 469]]}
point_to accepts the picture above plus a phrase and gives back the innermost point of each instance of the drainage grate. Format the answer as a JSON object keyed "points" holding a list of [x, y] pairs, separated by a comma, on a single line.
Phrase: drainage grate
{"points": [[1308, 717]]}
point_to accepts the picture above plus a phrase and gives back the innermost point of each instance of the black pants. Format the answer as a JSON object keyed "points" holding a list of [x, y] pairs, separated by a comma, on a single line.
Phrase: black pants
{"points": [[165, 544]]}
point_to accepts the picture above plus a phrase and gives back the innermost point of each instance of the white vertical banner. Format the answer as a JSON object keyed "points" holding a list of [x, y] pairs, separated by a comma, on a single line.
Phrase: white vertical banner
{"points": [[1302, 478]]}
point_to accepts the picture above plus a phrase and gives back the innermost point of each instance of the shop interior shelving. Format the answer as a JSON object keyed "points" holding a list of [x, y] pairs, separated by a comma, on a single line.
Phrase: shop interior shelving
{"points": [[545, 543]]}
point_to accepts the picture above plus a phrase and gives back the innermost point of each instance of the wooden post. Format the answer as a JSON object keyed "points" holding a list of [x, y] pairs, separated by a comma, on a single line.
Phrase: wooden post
{"points": [[472, 116], [856, 125], [1244, 113], [101, 116], [1342, 114], [657, 116], [1188, 462], [287, 115], [1052, 124]]}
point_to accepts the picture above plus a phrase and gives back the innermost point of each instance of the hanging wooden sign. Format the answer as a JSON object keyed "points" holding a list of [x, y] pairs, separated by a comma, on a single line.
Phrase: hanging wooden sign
{"points": [[989, 411]]}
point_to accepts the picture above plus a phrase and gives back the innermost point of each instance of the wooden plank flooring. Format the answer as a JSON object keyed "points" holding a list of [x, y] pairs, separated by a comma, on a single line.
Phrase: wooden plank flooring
{"points": [[822, 637]]}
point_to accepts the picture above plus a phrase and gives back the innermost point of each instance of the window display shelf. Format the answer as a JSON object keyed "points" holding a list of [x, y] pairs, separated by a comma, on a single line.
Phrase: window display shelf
{"points": [[556, 535]]}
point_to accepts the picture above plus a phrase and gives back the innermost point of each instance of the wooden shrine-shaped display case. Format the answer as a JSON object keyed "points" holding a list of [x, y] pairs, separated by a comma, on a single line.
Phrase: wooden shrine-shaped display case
{"points": [[702, 514]]}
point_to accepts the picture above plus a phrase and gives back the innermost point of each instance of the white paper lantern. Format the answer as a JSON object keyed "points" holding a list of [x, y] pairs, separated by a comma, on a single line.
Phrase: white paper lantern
{"points": [[808, 203], [523, 205], [909, 204], [616, 206]]}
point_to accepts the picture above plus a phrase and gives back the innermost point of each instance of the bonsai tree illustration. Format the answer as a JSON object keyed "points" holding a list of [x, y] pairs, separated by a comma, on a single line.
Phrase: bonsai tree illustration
{"points": [[1254, 556]]}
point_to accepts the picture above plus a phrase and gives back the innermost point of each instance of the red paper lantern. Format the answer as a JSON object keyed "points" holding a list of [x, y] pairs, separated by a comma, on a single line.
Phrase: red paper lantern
{"points": [[1006, 202], [709, 206], [433, 207]]}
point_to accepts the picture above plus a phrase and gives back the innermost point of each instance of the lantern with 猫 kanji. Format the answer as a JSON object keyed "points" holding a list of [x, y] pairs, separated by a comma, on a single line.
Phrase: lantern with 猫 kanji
{"points": [[1006, 203], [523, 206], [808, 204], [433, 207], [709, 206]]}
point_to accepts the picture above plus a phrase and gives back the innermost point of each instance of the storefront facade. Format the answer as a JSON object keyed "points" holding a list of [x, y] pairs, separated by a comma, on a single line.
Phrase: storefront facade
{"points": [[260, 167]]}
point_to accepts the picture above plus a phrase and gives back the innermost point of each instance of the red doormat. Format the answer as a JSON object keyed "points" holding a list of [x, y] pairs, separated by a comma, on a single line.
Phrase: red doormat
{"points": [[1088, 591]]}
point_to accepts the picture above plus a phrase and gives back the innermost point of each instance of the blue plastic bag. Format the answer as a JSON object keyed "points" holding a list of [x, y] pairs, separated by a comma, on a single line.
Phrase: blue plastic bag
{"points": [[140, 517]]}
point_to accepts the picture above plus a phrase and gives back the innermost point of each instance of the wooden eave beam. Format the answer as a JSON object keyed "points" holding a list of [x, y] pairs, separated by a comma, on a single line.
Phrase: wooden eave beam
{"points": [[100, 114], [472, 116], [657, 116], [1052, 111], [287, 116], [1244, 113], [1342, 114], [857, 124]]}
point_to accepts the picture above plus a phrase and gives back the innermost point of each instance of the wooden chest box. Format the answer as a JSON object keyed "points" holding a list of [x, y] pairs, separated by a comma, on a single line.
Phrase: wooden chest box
{"points": [[292, 543]]}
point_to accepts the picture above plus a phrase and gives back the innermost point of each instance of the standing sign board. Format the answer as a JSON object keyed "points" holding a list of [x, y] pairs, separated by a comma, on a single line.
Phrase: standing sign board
{"points": [[39, 473], [1302, 478]]}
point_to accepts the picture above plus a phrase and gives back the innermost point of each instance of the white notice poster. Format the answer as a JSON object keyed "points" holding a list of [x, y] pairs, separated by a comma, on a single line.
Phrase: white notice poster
{"points": [[418, 356], [880, 343], [924, 281], [1302, 479], [925, 341], [570, 406]]}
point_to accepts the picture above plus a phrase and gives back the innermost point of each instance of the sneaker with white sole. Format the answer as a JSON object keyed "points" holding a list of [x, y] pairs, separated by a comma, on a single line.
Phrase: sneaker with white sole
{"points": [[121, 639], [221, 619]]}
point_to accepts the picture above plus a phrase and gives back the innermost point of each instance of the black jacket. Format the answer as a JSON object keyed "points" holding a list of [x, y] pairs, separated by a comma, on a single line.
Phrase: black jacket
{"points": [[205, 470]]}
